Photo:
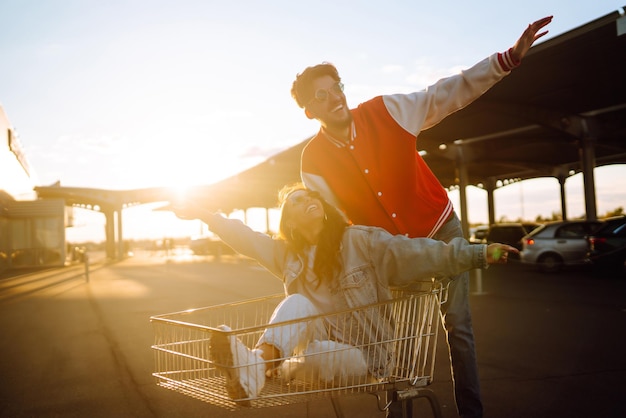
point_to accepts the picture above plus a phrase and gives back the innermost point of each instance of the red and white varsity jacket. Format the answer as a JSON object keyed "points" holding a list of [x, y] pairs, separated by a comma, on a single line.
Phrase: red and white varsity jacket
{"points": [[379, 178]]}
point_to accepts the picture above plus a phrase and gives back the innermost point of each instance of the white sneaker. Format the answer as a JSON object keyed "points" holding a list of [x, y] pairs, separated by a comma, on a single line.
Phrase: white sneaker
{"points": [[244, 368]]}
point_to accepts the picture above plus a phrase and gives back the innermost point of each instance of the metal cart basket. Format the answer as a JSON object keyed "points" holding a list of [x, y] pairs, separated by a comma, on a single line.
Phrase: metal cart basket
{"points": [[406, 352]]}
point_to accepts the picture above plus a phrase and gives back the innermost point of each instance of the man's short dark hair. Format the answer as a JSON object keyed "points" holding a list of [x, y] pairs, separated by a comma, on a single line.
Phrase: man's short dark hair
{"points": [[301, 89]]}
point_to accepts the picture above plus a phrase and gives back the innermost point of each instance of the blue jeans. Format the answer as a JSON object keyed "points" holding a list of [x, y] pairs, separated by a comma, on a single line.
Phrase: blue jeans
{"points": [[457, 320]]}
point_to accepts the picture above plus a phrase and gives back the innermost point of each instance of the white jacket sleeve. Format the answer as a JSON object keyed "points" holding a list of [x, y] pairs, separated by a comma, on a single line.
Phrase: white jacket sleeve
{"points": [[424, 109]]}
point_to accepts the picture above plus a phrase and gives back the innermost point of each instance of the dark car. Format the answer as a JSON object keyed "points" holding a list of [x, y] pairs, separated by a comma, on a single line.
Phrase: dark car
{"points": [[510, 233], [210, 246], [607, 246], [557, 244], [478, 234]]}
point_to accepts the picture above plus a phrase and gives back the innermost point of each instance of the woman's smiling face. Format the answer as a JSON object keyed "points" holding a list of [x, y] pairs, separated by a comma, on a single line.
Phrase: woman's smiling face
{"points": [[304, 209]]}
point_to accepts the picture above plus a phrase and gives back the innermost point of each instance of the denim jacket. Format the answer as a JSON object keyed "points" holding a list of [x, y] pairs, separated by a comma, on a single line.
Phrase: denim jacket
{"points": [[373, 260]]}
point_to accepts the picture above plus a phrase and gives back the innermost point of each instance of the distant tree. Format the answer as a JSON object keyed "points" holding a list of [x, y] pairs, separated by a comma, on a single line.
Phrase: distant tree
{"points": [[619, 211], [556, 216]]}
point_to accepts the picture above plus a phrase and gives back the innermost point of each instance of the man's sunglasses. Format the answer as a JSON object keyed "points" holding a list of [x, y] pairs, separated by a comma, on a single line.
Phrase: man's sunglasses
{"points": [[321, 95]]}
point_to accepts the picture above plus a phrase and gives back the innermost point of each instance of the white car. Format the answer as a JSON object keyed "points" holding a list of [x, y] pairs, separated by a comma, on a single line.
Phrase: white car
{"points": [[557, 244]]}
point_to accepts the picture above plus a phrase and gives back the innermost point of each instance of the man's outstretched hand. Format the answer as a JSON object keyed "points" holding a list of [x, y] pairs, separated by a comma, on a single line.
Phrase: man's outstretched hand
{"points": [[529, 37]]}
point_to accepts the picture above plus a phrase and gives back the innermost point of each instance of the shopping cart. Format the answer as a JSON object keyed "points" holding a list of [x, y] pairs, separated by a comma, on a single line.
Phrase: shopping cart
{"points": [[184, 364]]}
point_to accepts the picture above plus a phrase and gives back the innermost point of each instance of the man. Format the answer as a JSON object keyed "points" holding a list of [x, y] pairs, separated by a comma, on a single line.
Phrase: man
{"points": [[365, 161]]}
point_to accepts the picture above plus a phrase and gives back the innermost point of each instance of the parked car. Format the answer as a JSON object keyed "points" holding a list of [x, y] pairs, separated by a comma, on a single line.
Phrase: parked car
{"points": [[607, 246], [557, 244], [209, 246], [510, 233], [478, 234]]}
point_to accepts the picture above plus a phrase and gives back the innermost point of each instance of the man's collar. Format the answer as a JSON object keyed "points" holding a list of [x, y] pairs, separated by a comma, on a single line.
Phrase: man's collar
{"points": [[337, 142]]}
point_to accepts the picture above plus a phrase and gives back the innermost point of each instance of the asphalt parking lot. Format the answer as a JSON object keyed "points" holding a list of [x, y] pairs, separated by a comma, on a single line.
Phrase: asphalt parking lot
{"points": [[548, 345]]}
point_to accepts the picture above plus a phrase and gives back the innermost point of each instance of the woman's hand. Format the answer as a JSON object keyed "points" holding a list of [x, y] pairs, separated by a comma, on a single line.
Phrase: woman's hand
{"points": [[499, 253], [187, 209]]}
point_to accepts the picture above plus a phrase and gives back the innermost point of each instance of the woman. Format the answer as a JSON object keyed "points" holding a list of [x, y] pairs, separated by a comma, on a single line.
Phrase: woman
{"points": [[328, 265]]}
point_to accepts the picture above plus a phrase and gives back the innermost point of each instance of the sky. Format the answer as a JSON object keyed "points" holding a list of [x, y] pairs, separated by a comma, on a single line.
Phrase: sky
{"points": [[131, 94]]}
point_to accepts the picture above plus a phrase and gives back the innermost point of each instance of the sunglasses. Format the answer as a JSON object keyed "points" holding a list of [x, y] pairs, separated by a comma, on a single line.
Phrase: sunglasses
{"points": [[321, 95], [301, 196]]}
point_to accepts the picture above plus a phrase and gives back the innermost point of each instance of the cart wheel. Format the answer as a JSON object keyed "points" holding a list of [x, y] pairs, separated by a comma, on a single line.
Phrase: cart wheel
{"points": [[403, 402]]}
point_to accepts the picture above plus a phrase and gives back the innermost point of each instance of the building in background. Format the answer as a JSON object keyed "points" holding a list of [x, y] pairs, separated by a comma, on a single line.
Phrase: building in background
{"points": [[32, 231]]}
